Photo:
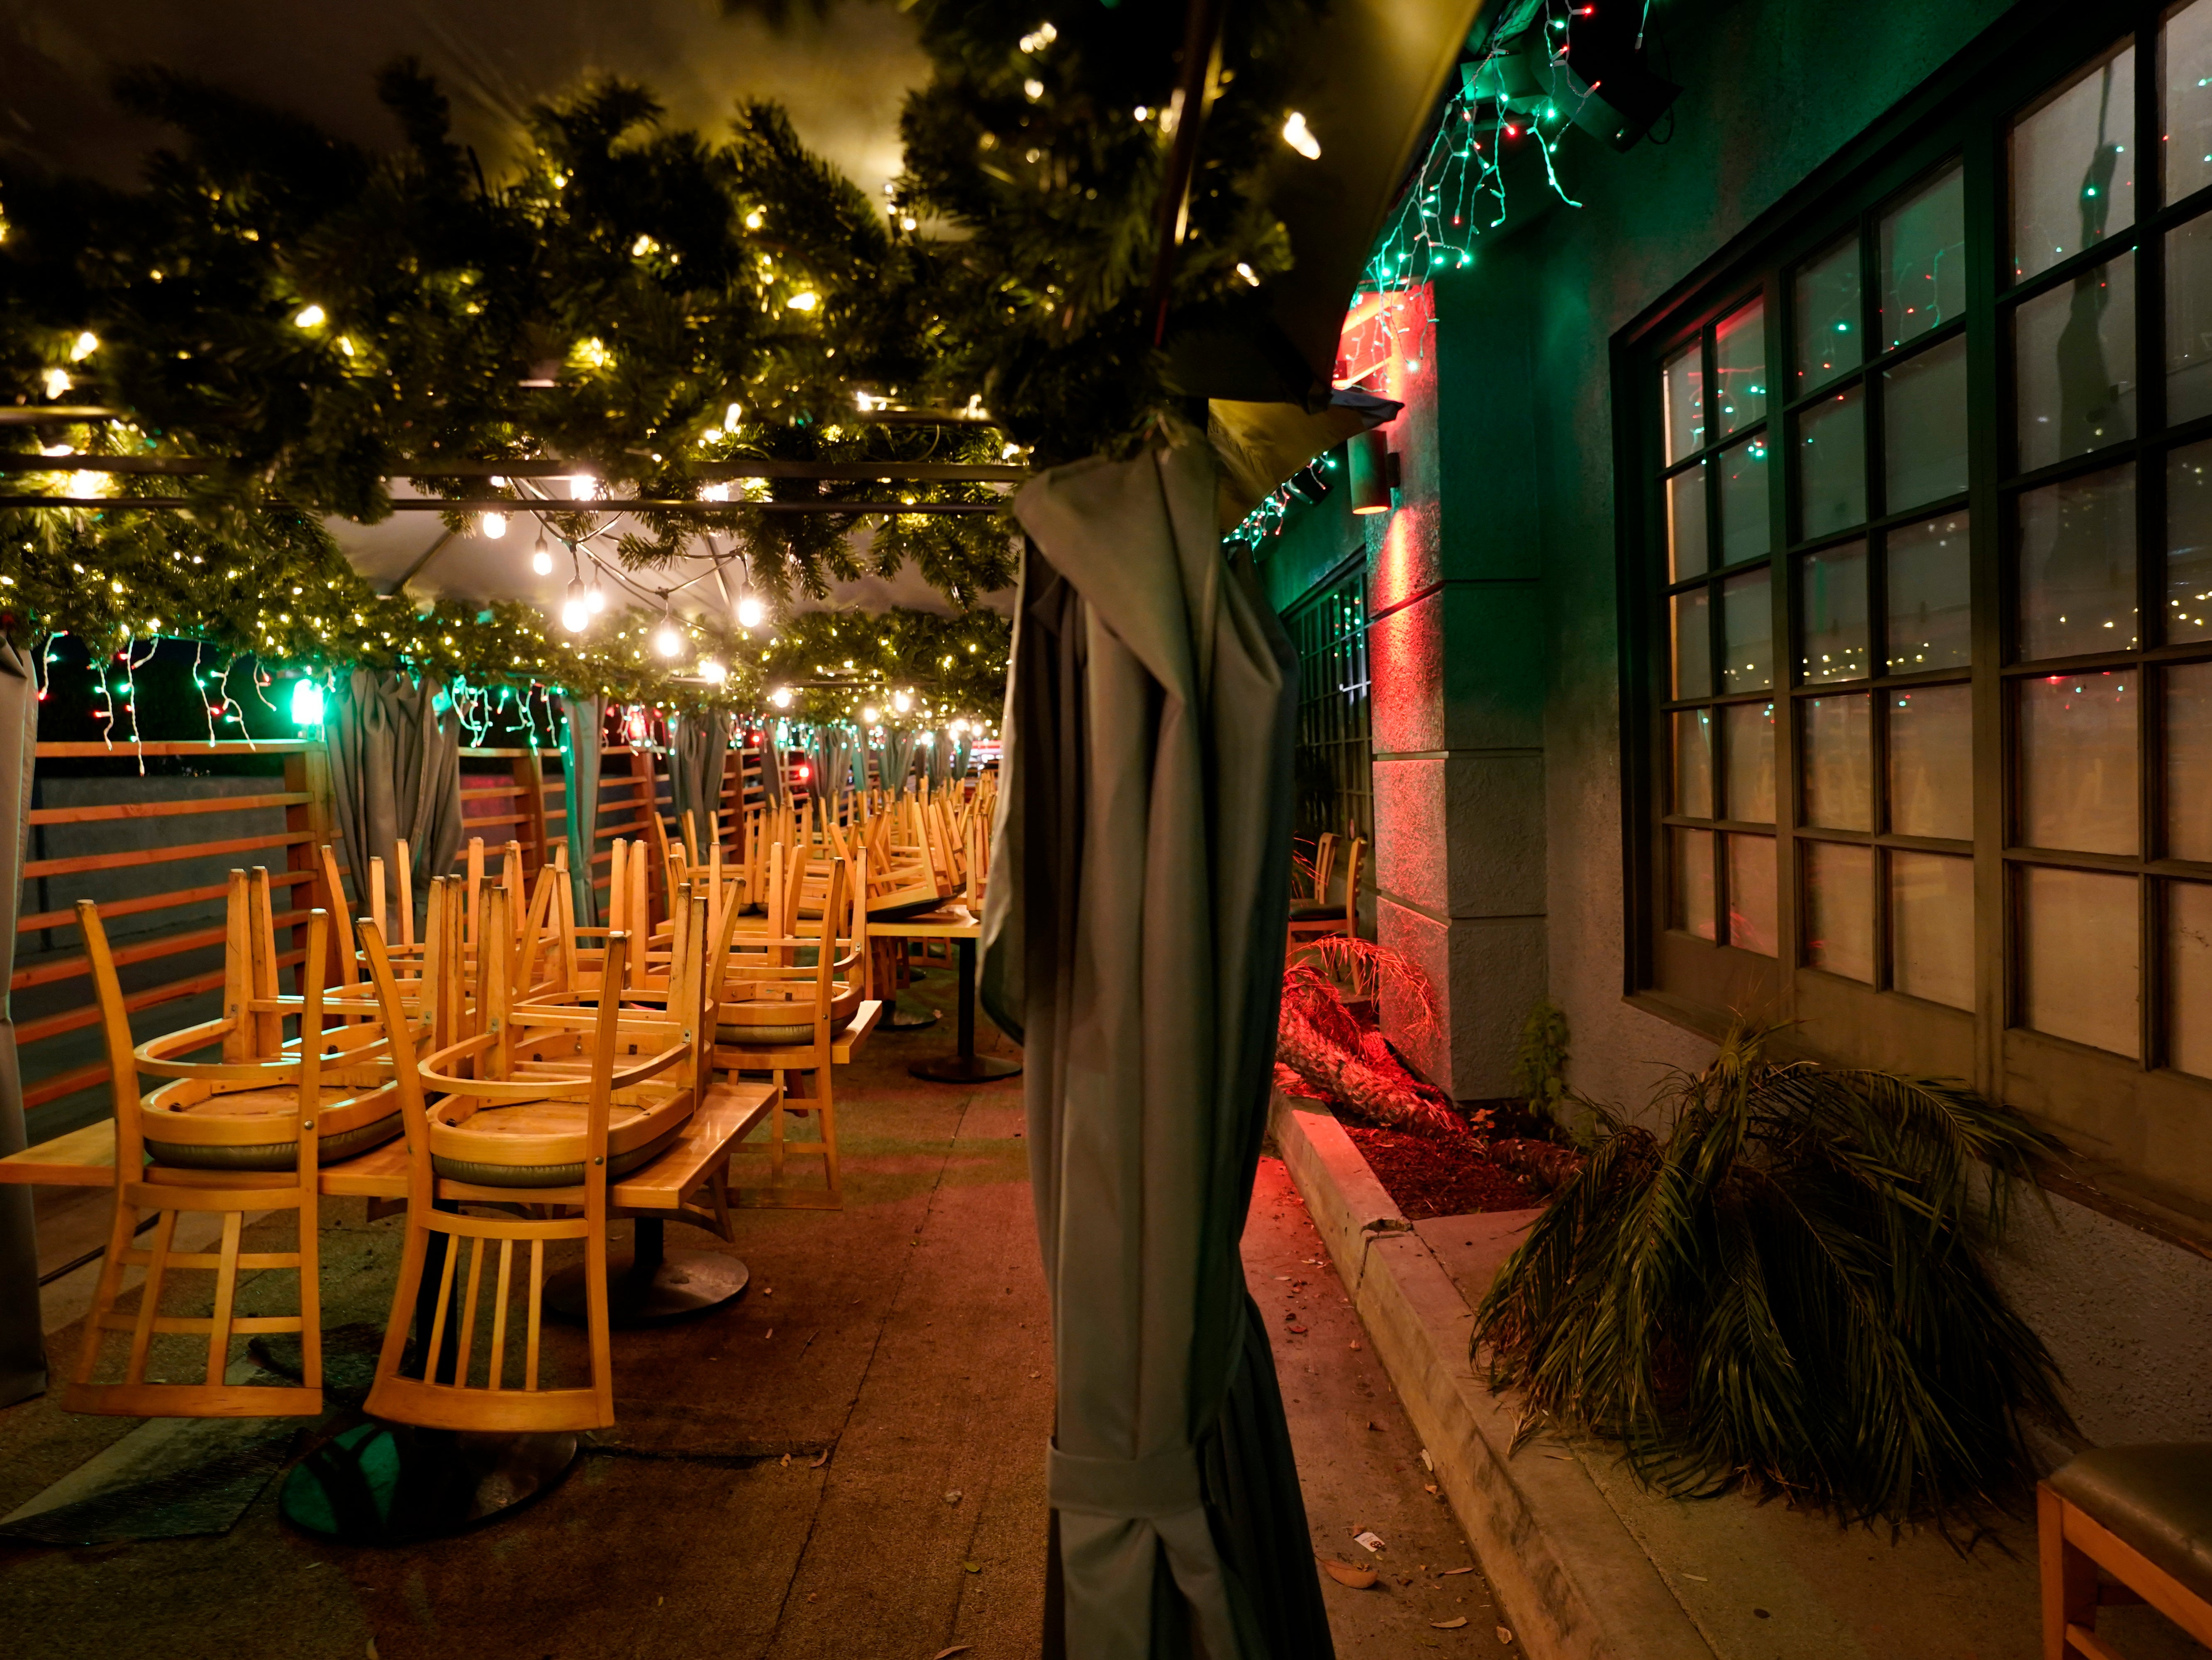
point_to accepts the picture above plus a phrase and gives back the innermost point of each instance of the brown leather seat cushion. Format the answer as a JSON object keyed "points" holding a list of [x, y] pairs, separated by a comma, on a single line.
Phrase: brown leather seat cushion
{"points": [[2157, 1498]]}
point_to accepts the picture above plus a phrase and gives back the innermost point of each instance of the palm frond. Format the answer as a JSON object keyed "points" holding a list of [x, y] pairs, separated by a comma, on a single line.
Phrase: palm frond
{"points": [[1788, 1290]]}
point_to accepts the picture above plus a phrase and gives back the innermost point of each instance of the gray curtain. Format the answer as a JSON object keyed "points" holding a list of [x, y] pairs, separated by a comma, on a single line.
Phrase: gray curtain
{"points": [[772, 745], [830, 749], [935, 757], [395, 772], [1134, 941], [22, 1347], [895, 759], [695, 759], [580, 731]]}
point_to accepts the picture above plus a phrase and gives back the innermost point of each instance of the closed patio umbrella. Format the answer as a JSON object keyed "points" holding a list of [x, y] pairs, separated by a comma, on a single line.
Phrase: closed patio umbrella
{"points": [[1134, 938]]}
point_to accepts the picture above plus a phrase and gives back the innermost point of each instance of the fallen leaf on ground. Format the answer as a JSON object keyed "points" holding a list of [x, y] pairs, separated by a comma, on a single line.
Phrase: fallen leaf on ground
{"points": [[1300, 1330], [1448, 1624], [1700, 1578], [952, 1496], [1428, 1487], [786, 1460], [973, 1568], [947, 1654], [1503, 1635], [1355, 1345], [1427, 1463], [1345, 1573], [820, 1462], [769, 1333], [1449, 1571]]}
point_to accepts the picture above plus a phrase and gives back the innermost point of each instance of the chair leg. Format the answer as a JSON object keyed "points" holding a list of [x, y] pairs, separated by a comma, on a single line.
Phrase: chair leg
{"points": [[2068, 1576]]}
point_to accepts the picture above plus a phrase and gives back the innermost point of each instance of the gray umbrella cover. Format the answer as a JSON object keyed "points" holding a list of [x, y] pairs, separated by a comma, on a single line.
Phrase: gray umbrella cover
{"points": [[1133, 939]]}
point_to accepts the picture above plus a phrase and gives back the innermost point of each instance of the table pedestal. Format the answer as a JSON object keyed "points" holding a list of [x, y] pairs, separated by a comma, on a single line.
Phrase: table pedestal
{"points": [[652, 1285], [964, 1064], [395, 1484]]}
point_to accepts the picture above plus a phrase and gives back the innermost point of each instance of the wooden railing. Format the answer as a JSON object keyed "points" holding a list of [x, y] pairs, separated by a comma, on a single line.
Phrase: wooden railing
{"points": [[507, 795]]}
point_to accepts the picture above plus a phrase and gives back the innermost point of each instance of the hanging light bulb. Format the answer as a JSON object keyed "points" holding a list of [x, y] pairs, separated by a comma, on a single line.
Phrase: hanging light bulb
{"points": [[781, 697], [595, 599], [541, 557], [901, 701], [574, 614], [958, 727], [870, 715], [582, 487], [749, 612], [668, 640], [712, 672], [493, 525]]}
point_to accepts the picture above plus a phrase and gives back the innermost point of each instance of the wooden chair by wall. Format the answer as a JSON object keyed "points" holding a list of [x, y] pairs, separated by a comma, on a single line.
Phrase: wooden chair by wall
{"points": [[1325, 914], [174, 1189], [2141, 1514], [505, 1393]]}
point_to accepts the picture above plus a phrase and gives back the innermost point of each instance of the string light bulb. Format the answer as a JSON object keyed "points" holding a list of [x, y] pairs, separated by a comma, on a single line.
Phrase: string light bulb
{"points": [[668, 640], [781, 697], [574, 614], [595, 598], [901, 701], [309, 317], [870, 715], [492, 526], [84, 346], [1300, 136], [713, 671], [541, 557], [750, 611]]}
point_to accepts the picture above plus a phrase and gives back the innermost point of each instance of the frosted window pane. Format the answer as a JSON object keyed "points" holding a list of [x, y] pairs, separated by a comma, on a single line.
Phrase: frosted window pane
{"points": [[1839, 908], [1747, 637], [1931, 927], [2076, 365], [2185, 47], [1832, 603], [2077, 750], [2189, 321], [1693, 644], [2073, 167], [1682, 388], [1744, 510], [1925, 426], [1685, 522], [1693, 764], [1831, 463], [2189, 977], [1828, 315], [1931, 763], [1930, 596], [2077, 566], [2189, 543], [1751, 893], [1750, 732], [2188, 761], [1923, 259], [1740, 363], [1839, 761], [2082, 957], [1690, 900]]}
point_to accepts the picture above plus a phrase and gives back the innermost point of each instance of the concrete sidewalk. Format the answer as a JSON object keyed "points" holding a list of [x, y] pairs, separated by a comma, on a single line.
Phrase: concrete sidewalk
{"points": [[1589, 1565]]}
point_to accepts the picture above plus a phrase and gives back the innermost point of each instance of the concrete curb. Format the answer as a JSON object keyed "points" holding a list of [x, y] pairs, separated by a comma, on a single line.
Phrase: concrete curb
{"points": [[1573, 1580]]}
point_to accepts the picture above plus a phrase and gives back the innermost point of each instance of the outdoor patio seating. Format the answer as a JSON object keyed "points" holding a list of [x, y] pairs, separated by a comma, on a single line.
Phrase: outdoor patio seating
{"points": [[1325, 914], [2143, 1515]]}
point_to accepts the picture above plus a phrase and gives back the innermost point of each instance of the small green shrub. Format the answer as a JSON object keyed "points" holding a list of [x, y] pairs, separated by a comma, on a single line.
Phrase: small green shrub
{"points": [[1540, 1063], [1787, 1289]]}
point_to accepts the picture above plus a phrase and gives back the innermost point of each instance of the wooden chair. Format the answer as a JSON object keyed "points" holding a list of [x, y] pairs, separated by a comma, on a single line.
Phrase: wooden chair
{"points": [[2141, 1514], [562, 1157], [199, 1170], [771, 1015], [1321, 914]]}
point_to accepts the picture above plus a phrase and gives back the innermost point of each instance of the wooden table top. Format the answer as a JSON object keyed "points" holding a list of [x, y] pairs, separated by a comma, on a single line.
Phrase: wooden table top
{"points": [[86, 1157], [952, 922]]}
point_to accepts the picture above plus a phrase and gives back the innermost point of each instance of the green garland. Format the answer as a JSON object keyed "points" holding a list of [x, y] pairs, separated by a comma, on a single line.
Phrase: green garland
{"points": [[831, 665]]}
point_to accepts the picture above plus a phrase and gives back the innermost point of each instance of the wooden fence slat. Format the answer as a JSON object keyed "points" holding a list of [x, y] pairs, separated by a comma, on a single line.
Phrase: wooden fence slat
{"points": [[61, 919], [63, 1083], [163, 809], [92, 861], [170, 944], [232, 747], [53, 1025]]}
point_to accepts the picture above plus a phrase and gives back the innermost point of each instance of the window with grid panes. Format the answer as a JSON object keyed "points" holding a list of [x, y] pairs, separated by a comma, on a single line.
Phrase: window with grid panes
{"points": [[1335, 783], [1930, 526]]}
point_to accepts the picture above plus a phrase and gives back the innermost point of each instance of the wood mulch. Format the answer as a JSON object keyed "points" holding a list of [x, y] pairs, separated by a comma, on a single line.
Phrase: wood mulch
{"points": [[1429, 1176]]}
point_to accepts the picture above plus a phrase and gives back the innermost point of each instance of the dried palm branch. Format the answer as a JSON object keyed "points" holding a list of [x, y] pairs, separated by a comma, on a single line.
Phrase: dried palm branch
{"points": [[1787, 1291], [1321, 1040]]}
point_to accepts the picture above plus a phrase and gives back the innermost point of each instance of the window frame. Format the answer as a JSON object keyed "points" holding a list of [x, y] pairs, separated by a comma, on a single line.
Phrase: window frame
{"points": [[2133, 1116]]}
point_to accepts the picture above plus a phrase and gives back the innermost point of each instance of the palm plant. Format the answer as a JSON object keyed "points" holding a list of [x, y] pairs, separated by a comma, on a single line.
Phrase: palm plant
{"points": [[1788, 1290]]}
